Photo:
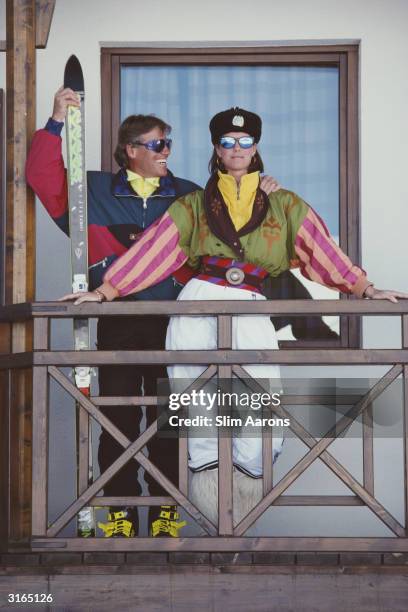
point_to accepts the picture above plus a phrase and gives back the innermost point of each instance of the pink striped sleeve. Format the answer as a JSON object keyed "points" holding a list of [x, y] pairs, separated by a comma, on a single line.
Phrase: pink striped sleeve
{"points": [[322, 260], [150, 260]]}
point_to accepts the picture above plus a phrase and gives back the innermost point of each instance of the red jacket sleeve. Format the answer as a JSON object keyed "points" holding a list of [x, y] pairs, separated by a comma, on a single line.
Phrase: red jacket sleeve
{"points": [[46, 175]]}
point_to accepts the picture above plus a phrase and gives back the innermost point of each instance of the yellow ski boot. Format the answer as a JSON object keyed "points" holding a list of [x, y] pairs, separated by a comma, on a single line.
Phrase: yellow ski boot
{"points": [[167, 524], [122, 523]]}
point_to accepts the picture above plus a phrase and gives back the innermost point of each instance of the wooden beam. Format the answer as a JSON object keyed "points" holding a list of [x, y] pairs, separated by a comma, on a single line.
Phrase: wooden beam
{"points": [[224, 544], [44, 10], [5, 344], [20, 251]]}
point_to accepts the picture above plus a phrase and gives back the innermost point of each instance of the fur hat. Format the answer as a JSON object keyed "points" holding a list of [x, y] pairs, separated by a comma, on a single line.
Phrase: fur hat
{"points": [[235, 120]]}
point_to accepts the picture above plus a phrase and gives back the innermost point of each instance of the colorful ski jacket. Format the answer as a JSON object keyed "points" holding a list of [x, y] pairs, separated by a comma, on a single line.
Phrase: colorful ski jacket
{"points": [[283, 232], [116, 214]]}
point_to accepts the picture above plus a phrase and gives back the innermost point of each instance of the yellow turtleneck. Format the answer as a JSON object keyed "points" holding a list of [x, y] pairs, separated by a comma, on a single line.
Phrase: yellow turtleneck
{"points": [[144, 187], [239, 198]]}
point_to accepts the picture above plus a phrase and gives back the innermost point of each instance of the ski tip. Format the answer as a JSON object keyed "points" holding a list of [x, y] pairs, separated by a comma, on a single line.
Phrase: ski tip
{"points": [[73, 77]]}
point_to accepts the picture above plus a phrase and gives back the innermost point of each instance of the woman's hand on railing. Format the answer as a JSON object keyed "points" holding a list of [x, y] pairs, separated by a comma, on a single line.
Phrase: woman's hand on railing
{"points": [[384, 294], [83, 296]]}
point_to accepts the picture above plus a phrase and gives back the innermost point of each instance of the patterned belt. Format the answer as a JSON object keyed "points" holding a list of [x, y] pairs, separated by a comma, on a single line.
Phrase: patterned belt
{"points": [[232, 273]]}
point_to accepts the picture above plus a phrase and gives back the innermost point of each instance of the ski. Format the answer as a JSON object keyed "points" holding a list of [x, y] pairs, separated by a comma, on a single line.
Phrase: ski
{"points": [[78, 229]]}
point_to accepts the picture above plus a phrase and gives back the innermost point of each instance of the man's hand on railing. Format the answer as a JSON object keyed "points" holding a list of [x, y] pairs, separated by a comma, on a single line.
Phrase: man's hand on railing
{"points": [[384, 294], [84, 296]]}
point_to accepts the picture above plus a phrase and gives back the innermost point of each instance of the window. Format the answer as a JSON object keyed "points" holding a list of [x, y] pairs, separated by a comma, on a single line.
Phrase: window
{"points": [[307, 98]]}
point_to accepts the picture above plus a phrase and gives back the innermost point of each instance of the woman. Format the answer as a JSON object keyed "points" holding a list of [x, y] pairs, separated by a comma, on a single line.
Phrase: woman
{"points": [[234, 235]]}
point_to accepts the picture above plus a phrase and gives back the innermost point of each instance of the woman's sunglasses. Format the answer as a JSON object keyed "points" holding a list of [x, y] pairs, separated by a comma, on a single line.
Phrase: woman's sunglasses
{"points": [[154, 145], [245, 142]]}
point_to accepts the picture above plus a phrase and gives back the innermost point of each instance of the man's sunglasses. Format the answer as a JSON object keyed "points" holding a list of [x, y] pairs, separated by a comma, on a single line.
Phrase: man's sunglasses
{"points": [[245, 142], [154, 145]]}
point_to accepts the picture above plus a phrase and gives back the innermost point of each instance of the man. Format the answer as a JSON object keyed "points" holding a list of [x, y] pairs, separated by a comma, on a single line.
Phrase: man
{"points": [[120, 206]]}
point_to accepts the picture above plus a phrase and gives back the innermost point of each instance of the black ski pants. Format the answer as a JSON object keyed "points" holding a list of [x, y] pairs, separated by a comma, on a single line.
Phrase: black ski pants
{"points": [[133, 333]]}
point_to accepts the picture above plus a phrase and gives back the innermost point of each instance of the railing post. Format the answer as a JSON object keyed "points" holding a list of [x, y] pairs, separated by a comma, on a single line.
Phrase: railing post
{"points": [[368, 449], [225, 484], [404, 319], [40, 432]]}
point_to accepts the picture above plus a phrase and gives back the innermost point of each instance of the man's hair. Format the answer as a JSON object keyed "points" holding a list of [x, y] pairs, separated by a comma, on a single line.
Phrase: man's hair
{"points": [[130, 130]]}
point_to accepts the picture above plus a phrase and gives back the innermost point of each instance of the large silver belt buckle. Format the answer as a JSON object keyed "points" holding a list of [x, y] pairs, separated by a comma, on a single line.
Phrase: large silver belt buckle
{"points": [[235, 276]]}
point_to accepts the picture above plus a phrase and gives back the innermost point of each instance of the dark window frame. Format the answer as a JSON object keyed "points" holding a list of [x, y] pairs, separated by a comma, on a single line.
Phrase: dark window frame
{"points": [[2, 199], [344, 57]]}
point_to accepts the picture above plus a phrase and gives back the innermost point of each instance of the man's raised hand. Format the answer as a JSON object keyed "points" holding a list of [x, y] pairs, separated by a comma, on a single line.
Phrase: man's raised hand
{"points": [[63, 98]]}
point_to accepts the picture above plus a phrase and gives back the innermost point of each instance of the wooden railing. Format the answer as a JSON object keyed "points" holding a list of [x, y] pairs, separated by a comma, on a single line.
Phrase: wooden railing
{"points": [[226, 363]]}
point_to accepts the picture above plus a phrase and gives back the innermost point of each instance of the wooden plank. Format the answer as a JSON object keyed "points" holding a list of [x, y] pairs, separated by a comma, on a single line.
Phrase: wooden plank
{"points": [[115, 113], [20, 227], [183, 464], [368, 449], [309, 59], [4, 457], [20, 247], [234, 588], [2, 202], [40, 432], [20, 455], [110, 400], [318, 500], [145, 500], [15, 312], [225, 493], [44, 10], [353, 180], [290, 400], [5, 348], [41, 334], [210, 50], [132, 451], [106, 113], [84, 429], [43, 17], [40, 451], [224, 327], [139, 563], [16, 360], [212, 307], [343, 178], [226, 357], [267, 464], [404, 321], [283, 500], [224, 544]]}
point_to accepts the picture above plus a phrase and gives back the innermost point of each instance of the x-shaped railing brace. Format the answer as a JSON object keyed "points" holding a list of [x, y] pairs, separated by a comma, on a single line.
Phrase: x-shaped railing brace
{"points": [[318, 450], [133, 451]]}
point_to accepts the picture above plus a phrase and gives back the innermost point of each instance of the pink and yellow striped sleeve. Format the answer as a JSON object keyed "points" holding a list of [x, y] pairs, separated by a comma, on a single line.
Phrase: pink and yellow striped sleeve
{"points": [[151, 259], [322, 260]]}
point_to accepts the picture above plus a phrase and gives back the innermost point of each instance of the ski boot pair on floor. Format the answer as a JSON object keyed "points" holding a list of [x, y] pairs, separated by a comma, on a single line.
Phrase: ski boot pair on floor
{"points": [[124, 523]]}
